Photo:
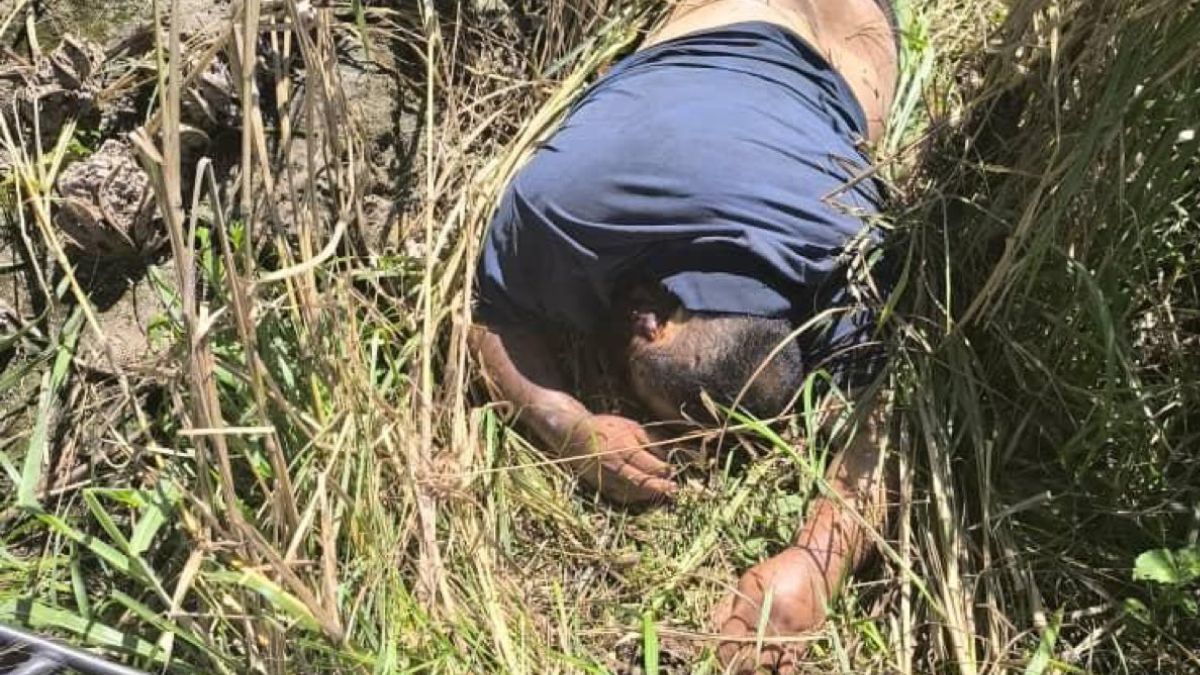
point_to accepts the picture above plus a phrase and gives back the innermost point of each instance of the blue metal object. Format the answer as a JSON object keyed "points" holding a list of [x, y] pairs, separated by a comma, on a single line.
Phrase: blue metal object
{"points": [[46, 657]]}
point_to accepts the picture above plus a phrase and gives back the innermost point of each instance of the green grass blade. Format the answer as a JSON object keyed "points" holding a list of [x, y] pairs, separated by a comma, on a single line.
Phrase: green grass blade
{"points": [[1045, 651], [52, 384], [156, 512], [106, 521], [36, 451], [40, 617], [164, 625], [15, 373], [10, 469], [130, 566], [650, 647], [79, 588], [285, 603]]}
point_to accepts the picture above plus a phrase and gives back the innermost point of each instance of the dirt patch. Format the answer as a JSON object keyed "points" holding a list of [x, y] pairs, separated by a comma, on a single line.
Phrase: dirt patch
{"points": [[675, 658], [129, 298], [99, 74], [93, 64], [111, 21], [98, 21]]}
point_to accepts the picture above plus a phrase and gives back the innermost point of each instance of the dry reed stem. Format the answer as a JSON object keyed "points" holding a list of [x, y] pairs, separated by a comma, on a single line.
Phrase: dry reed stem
{"points": [[432, 571]]}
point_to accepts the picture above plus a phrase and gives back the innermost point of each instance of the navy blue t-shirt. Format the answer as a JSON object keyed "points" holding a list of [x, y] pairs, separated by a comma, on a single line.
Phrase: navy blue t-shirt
{"points": [[724, 164]]}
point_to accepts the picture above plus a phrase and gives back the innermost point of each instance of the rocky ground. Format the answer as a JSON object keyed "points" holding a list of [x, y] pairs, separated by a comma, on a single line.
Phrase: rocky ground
{"points": [[64, 61]]}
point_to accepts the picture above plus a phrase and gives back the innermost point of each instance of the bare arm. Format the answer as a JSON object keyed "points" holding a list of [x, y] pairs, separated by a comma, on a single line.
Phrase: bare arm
{"points": [[861, 480], [611, 449], [518, 365], [833, 543]]}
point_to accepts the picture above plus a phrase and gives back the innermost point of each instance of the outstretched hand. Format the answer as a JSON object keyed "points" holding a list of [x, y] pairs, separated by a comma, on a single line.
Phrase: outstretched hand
{"points": [[797, 586], [614, 457]]}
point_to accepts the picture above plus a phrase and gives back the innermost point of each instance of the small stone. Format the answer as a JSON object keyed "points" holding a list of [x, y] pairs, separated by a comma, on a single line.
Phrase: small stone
{"points": [[61, 85], [379, 220], [73, 63], [106, 205], [211, 103]]}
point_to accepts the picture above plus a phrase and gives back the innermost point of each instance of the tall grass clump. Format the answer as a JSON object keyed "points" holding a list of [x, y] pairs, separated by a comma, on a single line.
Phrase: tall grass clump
{"points": [[308, 480], [1050, 344]]}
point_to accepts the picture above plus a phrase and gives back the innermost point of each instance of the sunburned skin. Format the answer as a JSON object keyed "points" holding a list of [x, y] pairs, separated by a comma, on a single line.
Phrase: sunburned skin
{"points": [[613, 452], [833, 544], [615, 455], [853, 35]]}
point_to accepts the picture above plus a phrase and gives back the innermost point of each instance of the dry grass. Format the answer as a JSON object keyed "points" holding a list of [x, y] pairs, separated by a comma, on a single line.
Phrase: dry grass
{"points": [[307, 483]]}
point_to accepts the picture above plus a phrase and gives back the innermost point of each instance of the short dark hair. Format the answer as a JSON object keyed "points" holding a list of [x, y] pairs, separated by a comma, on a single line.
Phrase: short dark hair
{"points": [[722, 355]]}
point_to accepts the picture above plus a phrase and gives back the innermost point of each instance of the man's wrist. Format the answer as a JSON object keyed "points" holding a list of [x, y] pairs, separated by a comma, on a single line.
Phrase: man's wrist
{"points": [[556, 423], [829, 532]]}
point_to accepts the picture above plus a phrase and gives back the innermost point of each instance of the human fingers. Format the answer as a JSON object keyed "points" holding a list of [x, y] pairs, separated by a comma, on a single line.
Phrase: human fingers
{"points": [[747, 657], [731, 620], [612, 458], [626, 442], [651, 486], [737, 617], [606, 435], [629, 485], [622, 482], [743, 654], [645, 461], [729, 625]]}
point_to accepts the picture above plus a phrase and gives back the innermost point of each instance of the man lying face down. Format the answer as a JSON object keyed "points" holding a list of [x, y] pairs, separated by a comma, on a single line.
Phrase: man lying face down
{"points": [[703, 200]]}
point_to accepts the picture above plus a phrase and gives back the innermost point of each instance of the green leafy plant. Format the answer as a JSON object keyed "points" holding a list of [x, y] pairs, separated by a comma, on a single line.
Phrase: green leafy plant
{"points": [[1176, 568]]}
